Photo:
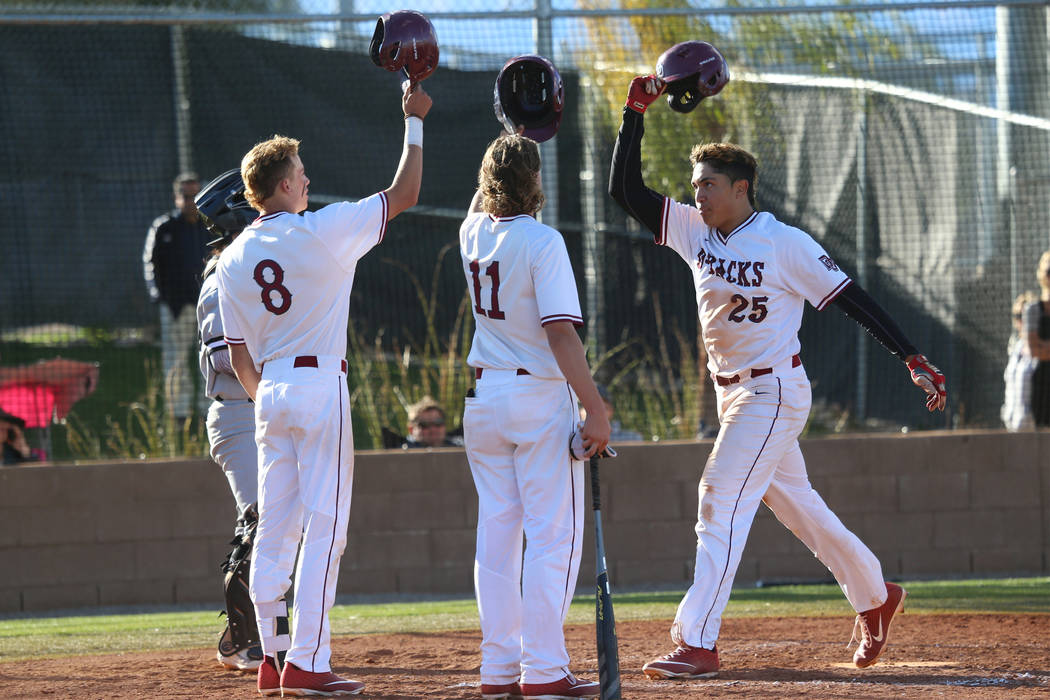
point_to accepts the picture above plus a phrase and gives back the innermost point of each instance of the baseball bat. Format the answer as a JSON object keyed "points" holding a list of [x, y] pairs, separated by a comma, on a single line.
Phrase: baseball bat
{"points": [[605, 622]]}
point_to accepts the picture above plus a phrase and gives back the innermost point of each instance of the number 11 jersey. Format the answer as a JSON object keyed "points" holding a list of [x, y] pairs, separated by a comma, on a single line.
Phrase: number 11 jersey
{"points": [[284, 283], [519, 279]]}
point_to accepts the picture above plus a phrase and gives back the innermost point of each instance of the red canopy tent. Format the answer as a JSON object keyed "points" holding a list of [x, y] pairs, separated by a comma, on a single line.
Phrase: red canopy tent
{"points": [[44, 392]]}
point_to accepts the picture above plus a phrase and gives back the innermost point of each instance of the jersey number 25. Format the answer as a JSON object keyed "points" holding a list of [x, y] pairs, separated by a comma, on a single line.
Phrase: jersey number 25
{"points": [[492, 272]]}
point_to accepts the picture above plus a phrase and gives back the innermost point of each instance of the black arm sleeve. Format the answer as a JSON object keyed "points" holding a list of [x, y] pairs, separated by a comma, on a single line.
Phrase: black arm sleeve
{"points": [[625, 175], [858, 305]]}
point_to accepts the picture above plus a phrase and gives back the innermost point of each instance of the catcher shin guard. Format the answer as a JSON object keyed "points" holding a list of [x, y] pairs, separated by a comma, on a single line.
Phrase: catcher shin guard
{"points": [[242, 630]]}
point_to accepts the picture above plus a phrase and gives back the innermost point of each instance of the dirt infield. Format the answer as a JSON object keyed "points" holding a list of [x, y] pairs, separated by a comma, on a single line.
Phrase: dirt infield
{"points": [[956, 656]]}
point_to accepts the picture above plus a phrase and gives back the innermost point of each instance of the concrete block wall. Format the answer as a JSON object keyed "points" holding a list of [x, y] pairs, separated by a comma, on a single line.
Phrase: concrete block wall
{"points": [[951, 504]]}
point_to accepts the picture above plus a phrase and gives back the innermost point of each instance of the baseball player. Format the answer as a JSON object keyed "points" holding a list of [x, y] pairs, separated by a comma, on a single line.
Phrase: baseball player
{"points": [[530, 367], [230, 422], [752, 275], [284, 293]]}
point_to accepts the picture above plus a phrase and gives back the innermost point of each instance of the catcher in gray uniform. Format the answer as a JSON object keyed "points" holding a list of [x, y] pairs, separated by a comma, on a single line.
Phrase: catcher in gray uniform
{"points": [[230, 422]]}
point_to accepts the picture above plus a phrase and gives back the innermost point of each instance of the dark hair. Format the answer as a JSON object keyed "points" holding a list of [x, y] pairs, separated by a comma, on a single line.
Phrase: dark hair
{"points": [[184, 178], [507, 178], [729, 160]]}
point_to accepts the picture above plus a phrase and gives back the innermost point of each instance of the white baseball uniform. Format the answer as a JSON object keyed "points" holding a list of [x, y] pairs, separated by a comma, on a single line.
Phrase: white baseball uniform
{"points": [[517, 428], [284, 292], [751, 285]]}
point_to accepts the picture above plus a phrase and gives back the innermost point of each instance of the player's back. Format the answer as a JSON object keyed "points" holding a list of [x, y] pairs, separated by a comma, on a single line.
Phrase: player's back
{"points": [[287, 278], [519, 279]]}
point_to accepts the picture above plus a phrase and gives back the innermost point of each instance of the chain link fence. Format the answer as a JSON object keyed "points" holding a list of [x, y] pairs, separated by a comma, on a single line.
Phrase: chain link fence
{"points": [[910, 139]]}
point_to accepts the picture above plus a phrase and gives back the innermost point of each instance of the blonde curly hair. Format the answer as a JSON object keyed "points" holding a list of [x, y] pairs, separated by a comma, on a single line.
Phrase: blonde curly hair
{"points": [[507, 178]]}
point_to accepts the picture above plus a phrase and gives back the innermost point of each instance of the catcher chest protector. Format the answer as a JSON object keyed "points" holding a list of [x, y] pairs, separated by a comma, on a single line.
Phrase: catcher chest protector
{"points": [[242, 629], [405, 40], [529, 94], [223, 207], [692, 70]]}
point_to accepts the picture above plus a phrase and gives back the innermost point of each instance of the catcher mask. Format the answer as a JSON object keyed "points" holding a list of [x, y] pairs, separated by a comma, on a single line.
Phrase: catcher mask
{"points": [[223, 207], [692, 70], [405, 40], [529, 94]]}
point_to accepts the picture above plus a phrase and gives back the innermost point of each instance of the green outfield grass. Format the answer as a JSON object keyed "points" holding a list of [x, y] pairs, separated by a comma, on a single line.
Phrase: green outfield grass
{"points": [[24, 637]]}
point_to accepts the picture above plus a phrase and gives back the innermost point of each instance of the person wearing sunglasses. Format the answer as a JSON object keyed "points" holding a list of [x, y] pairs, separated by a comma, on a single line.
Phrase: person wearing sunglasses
{"points": [[426, 424]]}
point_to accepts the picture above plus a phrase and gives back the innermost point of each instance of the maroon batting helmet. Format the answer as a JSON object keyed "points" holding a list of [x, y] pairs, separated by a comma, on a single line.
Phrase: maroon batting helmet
{"points": [[529, 94], [692, 70], [405, 40]]}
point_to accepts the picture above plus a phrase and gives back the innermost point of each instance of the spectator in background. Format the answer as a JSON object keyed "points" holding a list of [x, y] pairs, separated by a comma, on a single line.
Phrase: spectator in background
{"points": [[16, 449], [1016, 411], [1037, 334], [426, 425], [176, 248], [618, 434]]}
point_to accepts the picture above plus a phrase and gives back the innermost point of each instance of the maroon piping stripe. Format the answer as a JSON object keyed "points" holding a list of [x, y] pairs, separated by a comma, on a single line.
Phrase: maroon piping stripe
{"points": [[834, 293], [335, 524], [382, 225], [729, 550]]}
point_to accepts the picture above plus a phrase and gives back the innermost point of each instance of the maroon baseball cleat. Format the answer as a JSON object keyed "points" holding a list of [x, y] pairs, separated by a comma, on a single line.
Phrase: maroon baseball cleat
{"points": [[269, 677], [683, 663], [874, 626], [297, 682], [504, 691], [567, 688]]}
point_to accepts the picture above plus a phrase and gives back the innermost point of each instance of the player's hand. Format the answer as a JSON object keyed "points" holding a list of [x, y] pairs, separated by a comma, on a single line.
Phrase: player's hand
{"points": [[595, 432], [415, 102], [644, 91], [929, 379]]}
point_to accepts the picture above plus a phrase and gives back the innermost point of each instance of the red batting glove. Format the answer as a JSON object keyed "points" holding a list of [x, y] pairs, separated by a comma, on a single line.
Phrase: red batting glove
{"points": [[644, 91], [930, 379]]}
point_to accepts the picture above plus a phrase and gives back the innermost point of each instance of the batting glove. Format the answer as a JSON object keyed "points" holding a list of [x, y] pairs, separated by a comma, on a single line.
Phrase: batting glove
{"points": [[930, 379], [644, 91]]}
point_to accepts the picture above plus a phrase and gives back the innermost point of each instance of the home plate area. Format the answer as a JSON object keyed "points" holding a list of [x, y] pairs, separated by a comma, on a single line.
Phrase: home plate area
{"points": [[950, 656]]}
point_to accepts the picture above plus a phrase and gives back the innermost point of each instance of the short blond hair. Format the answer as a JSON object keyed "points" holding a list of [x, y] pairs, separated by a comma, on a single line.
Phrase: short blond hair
{"points": [[263, 167], [507, 178]]}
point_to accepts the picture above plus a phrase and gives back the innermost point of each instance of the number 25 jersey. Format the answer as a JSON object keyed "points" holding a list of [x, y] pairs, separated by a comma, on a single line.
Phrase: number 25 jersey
{"points": [[284, 283], [519, 279], [751, 284]]}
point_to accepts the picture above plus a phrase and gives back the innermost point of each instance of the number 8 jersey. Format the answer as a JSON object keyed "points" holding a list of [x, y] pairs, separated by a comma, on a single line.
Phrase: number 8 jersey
{"points": [[284, 283], [751, 284], [519, 279]]}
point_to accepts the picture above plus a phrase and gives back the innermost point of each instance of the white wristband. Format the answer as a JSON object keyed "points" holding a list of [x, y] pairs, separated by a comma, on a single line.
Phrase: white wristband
{"points": [[413, 131]]}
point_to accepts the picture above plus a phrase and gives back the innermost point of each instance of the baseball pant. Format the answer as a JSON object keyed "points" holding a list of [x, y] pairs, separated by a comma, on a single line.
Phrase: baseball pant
{"points": [[306, 464], [517, 431], [756, 457], [231, 434], [178, 336]]}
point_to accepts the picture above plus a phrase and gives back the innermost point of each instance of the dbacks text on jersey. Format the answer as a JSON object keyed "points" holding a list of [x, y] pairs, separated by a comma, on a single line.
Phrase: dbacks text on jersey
{"points": [[746, 273]]}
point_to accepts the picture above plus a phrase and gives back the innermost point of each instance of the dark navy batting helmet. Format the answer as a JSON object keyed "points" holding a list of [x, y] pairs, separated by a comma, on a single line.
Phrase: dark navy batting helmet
{"points": [[529, 94], [692, 70], [223, 207], [405, 40]]}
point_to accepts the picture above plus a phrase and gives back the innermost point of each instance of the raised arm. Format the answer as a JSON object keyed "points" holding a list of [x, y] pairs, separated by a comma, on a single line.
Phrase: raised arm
{"points": [[403, 192], [625, 176]]}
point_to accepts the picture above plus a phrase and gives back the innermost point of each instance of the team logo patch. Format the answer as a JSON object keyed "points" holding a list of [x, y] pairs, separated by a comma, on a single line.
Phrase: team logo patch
{"points": [[828, 263]]}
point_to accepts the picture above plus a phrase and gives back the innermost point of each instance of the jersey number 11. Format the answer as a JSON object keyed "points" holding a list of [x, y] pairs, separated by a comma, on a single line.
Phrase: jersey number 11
{"points": [[492, 272]]}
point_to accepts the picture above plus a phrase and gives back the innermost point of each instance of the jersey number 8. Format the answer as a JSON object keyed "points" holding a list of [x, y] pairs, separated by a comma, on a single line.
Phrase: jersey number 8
{"points": [[269, 289]]}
